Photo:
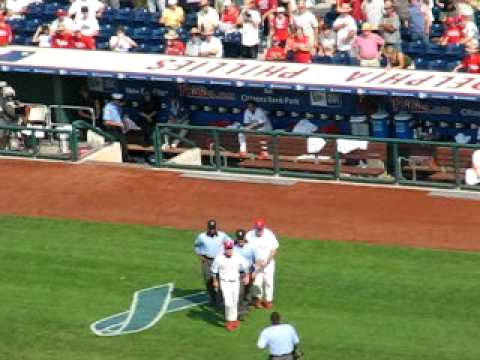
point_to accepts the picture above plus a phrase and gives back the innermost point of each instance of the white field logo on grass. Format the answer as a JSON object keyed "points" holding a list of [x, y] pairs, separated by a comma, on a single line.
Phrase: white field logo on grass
{"points": [[148, 307]]}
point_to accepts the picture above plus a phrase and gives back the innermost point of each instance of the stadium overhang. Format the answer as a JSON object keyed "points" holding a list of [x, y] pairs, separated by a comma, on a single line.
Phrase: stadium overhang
{"points": [[241, 73]]}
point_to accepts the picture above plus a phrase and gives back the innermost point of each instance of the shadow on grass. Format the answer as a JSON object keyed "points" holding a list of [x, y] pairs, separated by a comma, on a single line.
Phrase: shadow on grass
{"points": [[207, 314], [178, 292]]}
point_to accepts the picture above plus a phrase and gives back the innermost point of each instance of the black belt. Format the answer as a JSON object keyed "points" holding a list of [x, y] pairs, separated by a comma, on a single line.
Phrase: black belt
{"points": [[279, 356]]}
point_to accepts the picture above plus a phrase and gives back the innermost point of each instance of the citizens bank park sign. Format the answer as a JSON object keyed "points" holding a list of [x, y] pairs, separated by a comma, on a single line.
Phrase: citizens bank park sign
{"points": [[241, 73]]}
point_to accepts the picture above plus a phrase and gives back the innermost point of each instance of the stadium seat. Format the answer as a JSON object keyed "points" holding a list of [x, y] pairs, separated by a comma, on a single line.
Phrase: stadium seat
{"points": [[142, 48], [34, 11], [103, 45], [416, 49], [191, 20], [437, 65], [436, 12], [452, 65], [322, 59], [421, 64], [154, 17], [141, 33], [157, 49], [233, 38], [31, 26], [353, 61], [436, 30], [330, 17], [454, 52], [19, 39], [157, 36], [434, 51], [108, 16], [50, 10], [123, 16], [141, 17]]}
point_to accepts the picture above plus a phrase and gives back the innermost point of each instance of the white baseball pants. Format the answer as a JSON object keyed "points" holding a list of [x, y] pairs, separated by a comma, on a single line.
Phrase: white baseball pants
{"points": [[264, 282], [242, 140], [230, 292]]}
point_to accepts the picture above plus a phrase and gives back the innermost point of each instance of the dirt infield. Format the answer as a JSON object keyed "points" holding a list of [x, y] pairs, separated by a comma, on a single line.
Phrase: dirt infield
{"points": [[307, 210]]}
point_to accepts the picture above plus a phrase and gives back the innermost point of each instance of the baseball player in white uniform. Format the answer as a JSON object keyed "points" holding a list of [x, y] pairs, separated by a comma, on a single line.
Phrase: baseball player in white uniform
{"points": [[227, 269], [266, 244], [254, 118]]}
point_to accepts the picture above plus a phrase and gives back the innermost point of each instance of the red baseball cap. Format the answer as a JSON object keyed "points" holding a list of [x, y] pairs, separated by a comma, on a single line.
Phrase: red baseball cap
{"points": [[260, 224], [450, 20], [228, 245], [61, 12]]}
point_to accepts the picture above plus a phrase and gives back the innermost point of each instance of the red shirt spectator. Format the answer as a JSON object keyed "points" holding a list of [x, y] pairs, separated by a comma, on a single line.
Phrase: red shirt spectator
{"points": [[175, 46], [62, 39], [453, 33], [80, 41], [276, 52], [279, 25], [230, 13], [356, 5], [6, 35], [265, 6], [299, 44], [471, 63]]}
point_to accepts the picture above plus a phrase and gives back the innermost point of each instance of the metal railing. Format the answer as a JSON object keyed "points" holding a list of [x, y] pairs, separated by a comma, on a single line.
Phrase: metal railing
{"points": [[405, 162]]}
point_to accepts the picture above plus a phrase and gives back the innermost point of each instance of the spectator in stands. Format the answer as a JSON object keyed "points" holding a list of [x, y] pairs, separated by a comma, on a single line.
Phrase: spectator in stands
{"points": [[396, 59], [254, 118], [80, 41], [208, 18], [94, 8], [368, 46], [464, 8], [249, 21], [276, 52], [305, 19], [175, 46], [447, 7], [374, 11], [453, 33], [390, 27], [346, 29], [177, 114], [62, 20], [194, 43], [469, 31], [356, 5], [417, 22], [42, 36], [88, 26], [121, 42], [156, 5], [6, 34], [280, 26], [299, 45], [62, 38], [266, 8], [427, 6], [16, 8], [327, 40], [401, 8], [173, 16], [148, 111], [471, 62], [211, 46], [229, 18], [289, 5], [114, 123]]}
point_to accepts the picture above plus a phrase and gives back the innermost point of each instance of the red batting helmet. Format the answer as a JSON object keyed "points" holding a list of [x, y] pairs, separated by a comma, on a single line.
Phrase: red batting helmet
{"points": [[228, 245], [260, 224]]}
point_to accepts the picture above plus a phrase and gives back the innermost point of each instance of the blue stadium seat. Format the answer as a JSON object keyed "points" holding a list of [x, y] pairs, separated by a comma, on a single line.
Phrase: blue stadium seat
{"points": [[108, 16], [405, 34], [154, 17], [437, 65], [31, 26], [106, 31], [322, 59], [103, 45], [434, 51], [19, 39], [141, 17], [436, 12], [191, 20], [123, 16], [353, 61], [34, 11], [50, 9], [452, 65], [233, 38], [436, 30], [416, 49], [454, 52], [330, 17], [340, 59], [158, 49], [17, 25], [157, 36], [142, 48], [141, 33], [421, 64]]}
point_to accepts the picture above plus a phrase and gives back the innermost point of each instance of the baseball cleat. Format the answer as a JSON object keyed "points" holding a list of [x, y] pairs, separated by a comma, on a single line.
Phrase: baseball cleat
{"points": [[258, 304], [267, 304]]}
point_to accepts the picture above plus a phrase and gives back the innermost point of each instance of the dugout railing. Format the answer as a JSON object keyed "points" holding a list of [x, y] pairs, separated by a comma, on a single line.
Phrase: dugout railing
{"points": [[54, 143], [278, 153]]}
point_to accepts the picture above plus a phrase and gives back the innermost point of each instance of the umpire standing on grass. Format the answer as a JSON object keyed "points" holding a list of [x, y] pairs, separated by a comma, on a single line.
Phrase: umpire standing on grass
{"points": [[248, 252], [281, 340], [207, 246]]}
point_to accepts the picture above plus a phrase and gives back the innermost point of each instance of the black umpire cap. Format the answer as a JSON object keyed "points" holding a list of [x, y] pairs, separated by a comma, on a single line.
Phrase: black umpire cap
{"points": [[212, 224], [240, 234]]}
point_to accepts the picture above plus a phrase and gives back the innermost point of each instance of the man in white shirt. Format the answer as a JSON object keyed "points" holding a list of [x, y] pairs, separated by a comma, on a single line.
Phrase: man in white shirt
{"points": [[345, 27], [194, 43], [281, 339], [62, 19], [87, 24], [374, 11], [208, 18], [211, 46], [254, 118], [227, 268], [266, 245], [16, 8], [306, 20], [250, 20], [95, 8]]}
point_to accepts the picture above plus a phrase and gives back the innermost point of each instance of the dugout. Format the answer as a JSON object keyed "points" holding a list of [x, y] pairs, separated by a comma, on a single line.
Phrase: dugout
{"points": [[440, 105]]}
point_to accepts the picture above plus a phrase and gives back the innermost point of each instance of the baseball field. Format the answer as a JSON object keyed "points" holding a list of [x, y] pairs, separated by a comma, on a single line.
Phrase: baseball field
{"points": [[78, 241]]}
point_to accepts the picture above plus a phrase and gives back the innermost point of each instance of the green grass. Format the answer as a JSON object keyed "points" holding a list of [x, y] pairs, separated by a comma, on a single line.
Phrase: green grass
{"points": [[348, 301]]}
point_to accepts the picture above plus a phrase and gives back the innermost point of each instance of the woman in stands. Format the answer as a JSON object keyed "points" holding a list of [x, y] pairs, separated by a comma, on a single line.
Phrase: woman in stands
{"points": [[121, 42], [397, 59], [175, 46], [42, 36], [327, 40], [279, 26], [229, 17], [299, 45]]}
